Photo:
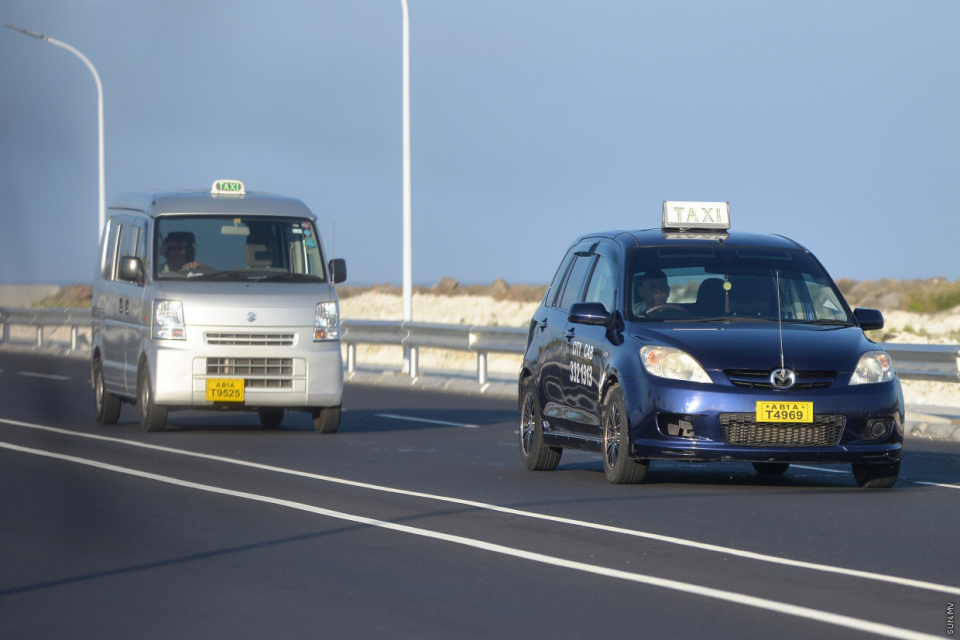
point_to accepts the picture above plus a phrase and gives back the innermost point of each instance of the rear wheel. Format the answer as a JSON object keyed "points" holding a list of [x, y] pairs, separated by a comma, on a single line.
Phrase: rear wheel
{"points": [[108, 405], [152, 417], [618, 466], [536, 455], [326, 419], [270, 417], [771, 468], [876, 476]]}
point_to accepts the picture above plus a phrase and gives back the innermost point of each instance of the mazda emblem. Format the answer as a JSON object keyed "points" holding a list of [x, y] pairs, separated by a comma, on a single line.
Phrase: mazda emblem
{"points": [[251, 317], [782, 378]]}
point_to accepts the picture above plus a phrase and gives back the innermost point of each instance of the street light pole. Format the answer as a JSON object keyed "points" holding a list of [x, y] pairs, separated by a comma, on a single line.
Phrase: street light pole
{"points": [[407, 234], [96, 78]]}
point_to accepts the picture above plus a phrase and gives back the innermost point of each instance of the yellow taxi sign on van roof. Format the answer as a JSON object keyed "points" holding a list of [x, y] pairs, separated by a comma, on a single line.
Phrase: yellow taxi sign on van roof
{"points": [[228, 188], [696, 215]]}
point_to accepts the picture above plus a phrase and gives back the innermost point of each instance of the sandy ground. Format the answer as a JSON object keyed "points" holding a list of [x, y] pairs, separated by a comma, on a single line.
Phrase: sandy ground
{"points": [[901, 326]]}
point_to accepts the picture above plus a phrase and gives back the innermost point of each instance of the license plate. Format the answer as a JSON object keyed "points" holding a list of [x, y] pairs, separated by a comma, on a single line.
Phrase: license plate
{"points": [[784, 412], [225, 390]]}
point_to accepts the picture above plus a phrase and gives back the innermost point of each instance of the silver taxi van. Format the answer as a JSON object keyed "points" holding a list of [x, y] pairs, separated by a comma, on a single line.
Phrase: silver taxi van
{"points": [[218, 299]]}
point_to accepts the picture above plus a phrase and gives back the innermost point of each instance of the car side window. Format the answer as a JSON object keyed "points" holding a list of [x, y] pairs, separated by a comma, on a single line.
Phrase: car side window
{"points": [[574, 285], [551, 297], [603, 283]]}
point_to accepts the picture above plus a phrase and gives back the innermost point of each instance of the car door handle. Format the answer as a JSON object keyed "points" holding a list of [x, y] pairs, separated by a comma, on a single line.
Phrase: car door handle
{"points": [[568, 334]]}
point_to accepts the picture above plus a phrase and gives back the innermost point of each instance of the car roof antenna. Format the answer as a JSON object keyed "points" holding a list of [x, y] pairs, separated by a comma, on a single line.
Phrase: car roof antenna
{"points": [[780, 320]]}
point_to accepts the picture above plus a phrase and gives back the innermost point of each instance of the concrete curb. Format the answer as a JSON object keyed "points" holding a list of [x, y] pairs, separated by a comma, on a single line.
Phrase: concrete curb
{"points": [[916, 425]]}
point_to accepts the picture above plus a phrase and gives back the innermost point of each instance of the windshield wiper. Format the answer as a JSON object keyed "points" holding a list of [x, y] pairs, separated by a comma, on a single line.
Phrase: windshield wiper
{"points": [[292, 277], [222, 275], [823, 321], [726, 319]]}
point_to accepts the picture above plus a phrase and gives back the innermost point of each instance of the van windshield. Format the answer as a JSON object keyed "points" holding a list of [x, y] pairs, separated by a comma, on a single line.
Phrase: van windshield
{"points": [[237, 248], [731, 284]]}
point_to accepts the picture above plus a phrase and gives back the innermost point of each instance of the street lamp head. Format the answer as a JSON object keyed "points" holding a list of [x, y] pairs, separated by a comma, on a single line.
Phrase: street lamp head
{"points": [[32, 34]]}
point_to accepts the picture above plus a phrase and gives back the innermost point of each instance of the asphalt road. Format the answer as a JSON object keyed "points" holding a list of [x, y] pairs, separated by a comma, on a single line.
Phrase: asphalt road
{"points": [[417, 519]]}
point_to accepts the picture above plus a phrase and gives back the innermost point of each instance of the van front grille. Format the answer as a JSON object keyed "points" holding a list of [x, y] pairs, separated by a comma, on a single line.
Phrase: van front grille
{"points": [[249, 367], [251, 339]]}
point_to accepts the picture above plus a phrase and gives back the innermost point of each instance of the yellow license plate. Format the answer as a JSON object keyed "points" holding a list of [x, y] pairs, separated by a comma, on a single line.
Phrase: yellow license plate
{"points": [[784, 412], [225, 390]]}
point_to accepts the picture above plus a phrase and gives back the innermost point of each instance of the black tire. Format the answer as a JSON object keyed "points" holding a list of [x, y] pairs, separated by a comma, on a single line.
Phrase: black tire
{"points": [[326, 419], [536, 455], [152, 417], [618, 466], [271, 417], [876, 476], [107, 404], [771, 468]]}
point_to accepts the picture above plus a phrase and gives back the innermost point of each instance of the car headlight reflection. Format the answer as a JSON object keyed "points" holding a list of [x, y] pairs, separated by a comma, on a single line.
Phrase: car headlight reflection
{"points": [[873, 367], [667, 362]]}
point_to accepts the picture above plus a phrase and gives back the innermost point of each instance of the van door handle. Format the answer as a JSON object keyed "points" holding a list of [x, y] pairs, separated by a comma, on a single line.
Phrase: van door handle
{"points": [[542, 324]]}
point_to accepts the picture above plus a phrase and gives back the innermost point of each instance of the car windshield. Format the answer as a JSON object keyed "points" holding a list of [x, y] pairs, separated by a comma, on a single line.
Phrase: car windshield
{"points": [[238, 248], [706, 283]]}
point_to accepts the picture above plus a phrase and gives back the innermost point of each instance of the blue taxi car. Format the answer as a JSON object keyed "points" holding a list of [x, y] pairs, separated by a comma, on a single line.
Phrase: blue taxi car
{"points": [[695, 342]]}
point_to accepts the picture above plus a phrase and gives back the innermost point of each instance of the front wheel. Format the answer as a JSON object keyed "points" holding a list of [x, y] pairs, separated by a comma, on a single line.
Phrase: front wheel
{"points": [[108, 405], [618, 466], [876, 476], [152, 417], [536, 455], [326, 419]]}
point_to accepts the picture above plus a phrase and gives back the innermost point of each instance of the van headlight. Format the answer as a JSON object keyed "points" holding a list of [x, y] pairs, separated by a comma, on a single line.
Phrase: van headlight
{"points": [[667, 362], [328, 322], [168, 320], [874, 366]]}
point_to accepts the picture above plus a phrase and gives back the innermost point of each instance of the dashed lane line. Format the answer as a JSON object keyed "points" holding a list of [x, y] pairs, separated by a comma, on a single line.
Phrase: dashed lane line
{"points": [[412, 419], [775, 606], [683, 542]]}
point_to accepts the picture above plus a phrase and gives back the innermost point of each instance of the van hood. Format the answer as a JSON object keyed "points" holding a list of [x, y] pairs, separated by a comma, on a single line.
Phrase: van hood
{"points": [[752, 345], [253, 305]]}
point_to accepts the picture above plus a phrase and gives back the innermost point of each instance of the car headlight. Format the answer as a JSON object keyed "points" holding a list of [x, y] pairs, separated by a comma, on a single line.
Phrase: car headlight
{"points": [[168, 320], [874, 366], [328, 322], [667, 362]]}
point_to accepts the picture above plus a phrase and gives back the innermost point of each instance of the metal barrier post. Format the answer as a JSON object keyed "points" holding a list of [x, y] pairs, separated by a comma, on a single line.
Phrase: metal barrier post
{"points": [[482, 367], [6, 331], [73, 337], [39, 335], [414, 362], [351, 357]]}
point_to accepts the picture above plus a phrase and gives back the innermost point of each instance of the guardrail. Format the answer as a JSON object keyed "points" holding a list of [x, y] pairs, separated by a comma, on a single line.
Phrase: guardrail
{"points": [[939, 363]]}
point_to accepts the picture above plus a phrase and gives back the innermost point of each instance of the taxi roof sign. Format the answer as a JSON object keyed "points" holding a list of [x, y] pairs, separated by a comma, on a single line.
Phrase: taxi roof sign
{"points": [[696, 215], [228, 188]]}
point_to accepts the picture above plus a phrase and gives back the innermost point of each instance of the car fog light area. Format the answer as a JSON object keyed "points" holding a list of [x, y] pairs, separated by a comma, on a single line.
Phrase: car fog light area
{"points": [[168, 320], [328, 322], [667, 362], [873, 367], [876, 429]]}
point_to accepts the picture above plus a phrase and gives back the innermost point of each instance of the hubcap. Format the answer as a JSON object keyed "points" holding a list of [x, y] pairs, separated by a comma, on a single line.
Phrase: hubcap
{"points": [[527, 424], [611, 435]]}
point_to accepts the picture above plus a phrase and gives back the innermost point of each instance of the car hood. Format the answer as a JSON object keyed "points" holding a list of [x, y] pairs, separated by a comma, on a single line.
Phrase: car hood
{"points": [[254, 305], [752, 345]]}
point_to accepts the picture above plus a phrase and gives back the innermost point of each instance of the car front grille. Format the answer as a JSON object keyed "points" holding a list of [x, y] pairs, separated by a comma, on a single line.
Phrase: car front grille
{"points": [[760, 379], [251, 339], [743, 429]]}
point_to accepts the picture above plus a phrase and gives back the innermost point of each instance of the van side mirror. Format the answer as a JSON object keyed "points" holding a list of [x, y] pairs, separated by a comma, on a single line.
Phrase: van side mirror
{"points": [[338, 270], [590, 313], [869, 319], [131, 269]]}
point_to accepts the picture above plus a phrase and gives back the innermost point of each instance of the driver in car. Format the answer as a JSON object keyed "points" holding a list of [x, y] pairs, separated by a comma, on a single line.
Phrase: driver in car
{"points": [[179, 249], [651, 296]]}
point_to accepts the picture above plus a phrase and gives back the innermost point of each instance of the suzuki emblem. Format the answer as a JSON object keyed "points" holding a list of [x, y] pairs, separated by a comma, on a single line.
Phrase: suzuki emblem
{"points": [[251, 317]]}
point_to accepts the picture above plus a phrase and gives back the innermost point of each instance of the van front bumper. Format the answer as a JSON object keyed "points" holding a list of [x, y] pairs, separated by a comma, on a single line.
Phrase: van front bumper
{"points": [[300, 378]]}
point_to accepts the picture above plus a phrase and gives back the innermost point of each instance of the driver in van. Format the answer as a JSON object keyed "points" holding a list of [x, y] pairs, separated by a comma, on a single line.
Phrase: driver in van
{"points": [[179, 249], [652, 291]]}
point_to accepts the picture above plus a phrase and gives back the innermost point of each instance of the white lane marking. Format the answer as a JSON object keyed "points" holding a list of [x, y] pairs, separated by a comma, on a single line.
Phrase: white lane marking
{"points": [[443, 422], [800, 466], [674, 585], [48, 376], [938, 484], [703, 546]]}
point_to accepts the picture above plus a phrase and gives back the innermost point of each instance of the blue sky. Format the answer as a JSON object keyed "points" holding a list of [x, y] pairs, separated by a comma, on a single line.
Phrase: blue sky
{"points": [[533, 121]]}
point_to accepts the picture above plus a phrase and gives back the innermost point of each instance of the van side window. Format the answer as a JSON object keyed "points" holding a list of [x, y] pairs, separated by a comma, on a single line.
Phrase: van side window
{"points": [[129, 239], [109, 259]]}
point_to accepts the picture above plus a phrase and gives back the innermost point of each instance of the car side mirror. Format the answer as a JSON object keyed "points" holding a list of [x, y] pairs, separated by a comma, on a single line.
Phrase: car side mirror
{"points": [[869, 319], [592, 313], [131, 269], [338, 270]]}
